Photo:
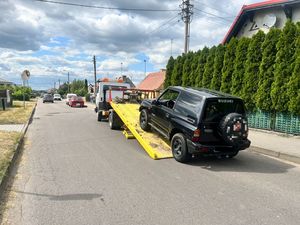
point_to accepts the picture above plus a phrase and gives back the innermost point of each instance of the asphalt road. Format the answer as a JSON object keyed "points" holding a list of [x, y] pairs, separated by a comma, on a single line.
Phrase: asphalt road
{"points": [[75, 170]]}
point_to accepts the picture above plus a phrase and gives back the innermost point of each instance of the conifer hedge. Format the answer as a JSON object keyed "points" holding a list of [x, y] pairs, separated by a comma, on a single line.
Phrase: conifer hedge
{"points": [[264, 70]]}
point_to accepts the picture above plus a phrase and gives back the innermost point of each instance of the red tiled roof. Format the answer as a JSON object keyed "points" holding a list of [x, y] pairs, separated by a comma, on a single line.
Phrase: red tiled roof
{"points": [[250, 7], [153, 81]]}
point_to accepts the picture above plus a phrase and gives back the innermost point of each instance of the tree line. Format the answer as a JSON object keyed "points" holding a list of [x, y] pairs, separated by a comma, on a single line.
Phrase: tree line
{"points": [[263, 70]]}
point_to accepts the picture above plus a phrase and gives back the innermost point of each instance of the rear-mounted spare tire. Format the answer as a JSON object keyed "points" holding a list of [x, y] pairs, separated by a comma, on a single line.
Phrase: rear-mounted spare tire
{"points": [[233, 128]]}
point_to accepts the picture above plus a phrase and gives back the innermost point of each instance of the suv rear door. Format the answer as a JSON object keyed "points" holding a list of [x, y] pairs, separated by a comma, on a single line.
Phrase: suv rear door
{"points": [[214, 110]]}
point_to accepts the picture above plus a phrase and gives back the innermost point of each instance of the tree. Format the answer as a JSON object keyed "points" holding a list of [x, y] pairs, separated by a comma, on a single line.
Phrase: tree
{"points": [[176, 77], [170, 67], [78, 87], [239, 66], [294, 82], [200, 68], [209, 68], [266, 70], [228, 64], [186, 70], [218, 65], [283, 67], [194, 65], [63, 89], [253, 61]]}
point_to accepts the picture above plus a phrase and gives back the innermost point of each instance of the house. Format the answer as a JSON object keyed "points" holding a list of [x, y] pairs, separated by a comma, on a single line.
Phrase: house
{"points": [[154, 82], [263, 16], [5, 82]]}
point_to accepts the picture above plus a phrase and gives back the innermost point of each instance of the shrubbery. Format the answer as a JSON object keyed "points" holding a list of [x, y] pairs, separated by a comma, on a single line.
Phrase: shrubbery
{"points": [[263, 70]]}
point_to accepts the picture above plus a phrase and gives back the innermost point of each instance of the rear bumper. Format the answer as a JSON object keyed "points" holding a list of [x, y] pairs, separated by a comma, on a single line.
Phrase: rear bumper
{"points": [[197, 148]]}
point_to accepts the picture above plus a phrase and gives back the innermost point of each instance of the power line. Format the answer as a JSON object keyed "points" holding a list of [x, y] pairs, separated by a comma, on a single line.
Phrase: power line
{"points": [[108, 8], [209, 6], [163, 24], [211, 14]]}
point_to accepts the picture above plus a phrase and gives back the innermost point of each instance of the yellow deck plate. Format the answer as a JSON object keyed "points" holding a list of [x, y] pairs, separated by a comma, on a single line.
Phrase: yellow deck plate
{"points": [[153, 144]]}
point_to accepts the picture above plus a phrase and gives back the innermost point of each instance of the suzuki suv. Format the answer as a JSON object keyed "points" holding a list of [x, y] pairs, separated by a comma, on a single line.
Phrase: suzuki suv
{"points": [[197, 121]]}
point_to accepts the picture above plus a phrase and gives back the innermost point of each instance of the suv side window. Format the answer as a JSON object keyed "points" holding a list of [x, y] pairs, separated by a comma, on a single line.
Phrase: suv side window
{"points": [[188, 105], [169, 98]]}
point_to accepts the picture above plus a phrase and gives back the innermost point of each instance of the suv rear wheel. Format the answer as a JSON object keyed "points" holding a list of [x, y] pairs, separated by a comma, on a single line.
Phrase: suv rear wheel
{"points": [[144, 120], [179, 148]]}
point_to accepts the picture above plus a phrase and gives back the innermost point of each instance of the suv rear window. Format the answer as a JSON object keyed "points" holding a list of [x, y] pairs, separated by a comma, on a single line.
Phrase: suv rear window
{"points": [[216, 109]]}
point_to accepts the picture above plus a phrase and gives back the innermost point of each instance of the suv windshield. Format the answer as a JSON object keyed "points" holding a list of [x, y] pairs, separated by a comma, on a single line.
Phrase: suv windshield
{"points": [[215, 109]]}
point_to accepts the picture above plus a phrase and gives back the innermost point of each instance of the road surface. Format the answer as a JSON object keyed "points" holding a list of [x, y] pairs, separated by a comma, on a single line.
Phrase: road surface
{"points": [[75, 170]]}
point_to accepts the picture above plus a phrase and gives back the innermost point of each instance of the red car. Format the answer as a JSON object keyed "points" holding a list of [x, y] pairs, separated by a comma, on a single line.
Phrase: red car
{"points": [[76, 101]]}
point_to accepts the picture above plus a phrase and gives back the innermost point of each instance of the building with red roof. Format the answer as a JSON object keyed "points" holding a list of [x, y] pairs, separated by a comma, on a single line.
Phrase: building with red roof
{"points": [[263, 16], [153, 81]]}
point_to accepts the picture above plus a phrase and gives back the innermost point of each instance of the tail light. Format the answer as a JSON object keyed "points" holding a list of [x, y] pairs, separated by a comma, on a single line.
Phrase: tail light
{"points": [[196, 135]]}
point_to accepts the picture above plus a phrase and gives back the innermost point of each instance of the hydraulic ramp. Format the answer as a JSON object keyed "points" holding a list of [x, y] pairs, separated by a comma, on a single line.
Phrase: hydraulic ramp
{"points": [[153, 144]]}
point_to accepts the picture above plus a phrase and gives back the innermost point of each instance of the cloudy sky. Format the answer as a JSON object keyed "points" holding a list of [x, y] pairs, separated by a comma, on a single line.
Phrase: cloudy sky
{"points": [[51, 40]]}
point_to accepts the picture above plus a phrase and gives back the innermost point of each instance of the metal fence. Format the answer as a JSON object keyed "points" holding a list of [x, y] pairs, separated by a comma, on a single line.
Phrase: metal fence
{"points": [[281, 122]]}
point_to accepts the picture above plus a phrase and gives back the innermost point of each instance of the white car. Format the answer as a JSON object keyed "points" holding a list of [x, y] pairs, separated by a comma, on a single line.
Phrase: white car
{"points": [[69, 96], [57, 97]]}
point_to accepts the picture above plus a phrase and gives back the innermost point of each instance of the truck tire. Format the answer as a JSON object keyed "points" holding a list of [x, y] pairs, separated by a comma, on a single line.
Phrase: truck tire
{"points": [[114, 121], [144, 120], [100, 117], [233, 128], [179, 148]]}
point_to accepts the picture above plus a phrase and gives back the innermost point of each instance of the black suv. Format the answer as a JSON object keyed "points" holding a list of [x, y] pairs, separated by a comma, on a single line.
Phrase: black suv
{"points": [[197, 121]]}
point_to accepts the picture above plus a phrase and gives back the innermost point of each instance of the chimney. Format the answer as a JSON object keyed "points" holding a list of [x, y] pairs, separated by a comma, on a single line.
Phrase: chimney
{"points": [[163, 70], [124, 78]]}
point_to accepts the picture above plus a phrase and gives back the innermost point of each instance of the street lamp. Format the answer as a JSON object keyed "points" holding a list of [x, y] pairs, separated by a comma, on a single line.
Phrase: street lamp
{"points": [[121, 68], [145, 66]]}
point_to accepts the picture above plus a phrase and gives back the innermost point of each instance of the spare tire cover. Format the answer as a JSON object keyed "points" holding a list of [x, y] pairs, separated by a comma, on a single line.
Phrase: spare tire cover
{"points": [[233, 128]]}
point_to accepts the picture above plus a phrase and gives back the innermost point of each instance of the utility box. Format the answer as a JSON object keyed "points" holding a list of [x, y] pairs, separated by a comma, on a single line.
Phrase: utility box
{"points": [[5, 99]]}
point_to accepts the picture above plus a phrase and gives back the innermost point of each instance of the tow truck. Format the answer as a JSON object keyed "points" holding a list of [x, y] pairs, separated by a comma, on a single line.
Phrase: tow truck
{"points": [[119, 104]]}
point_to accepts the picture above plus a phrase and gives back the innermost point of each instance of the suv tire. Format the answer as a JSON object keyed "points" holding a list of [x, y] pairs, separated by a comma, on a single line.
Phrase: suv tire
{"points": [[144, 120], [233, 128], [179, 148], [114, 121], [100, 116]]}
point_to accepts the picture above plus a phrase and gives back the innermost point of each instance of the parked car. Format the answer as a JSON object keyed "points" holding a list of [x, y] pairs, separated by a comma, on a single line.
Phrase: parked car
{"points": [[76, 101], [48, 98], [57, 97], [69, 96], [197, 121]]}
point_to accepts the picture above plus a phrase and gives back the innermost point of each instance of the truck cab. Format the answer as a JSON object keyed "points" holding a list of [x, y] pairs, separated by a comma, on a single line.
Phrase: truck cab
{"points": [[107, 91]]}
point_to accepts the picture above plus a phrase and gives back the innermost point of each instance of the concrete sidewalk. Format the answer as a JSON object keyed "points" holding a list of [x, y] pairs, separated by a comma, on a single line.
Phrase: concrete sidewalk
{"points": [[12, 127], [275, 144]]}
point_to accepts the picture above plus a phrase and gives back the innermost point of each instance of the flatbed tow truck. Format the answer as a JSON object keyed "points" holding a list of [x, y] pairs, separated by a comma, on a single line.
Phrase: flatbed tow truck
{"points": [[125, 114]]}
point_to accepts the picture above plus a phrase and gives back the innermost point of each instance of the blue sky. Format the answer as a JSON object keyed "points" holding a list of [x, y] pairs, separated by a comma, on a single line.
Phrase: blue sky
{"points": [[51, 40]]}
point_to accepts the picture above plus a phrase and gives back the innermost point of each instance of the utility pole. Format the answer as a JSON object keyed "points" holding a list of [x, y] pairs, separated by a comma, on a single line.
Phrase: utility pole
{"points": [[54, 86], [68, 82], [95, 75], [121, 69], [58, 83], [186, 16]]}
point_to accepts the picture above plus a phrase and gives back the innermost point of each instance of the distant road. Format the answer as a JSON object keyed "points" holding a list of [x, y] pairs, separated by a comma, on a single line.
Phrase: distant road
{"points": [[76, 170]]}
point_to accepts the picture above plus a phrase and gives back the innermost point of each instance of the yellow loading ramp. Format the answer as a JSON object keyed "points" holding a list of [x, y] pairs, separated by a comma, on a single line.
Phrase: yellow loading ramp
{"points": [[154, 145]]}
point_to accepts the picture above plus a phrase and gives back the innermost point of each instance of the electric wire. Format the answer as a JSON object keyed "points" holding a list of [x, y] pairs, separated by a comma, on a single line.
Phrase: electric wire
{"points": [[106, 7], [163, 24]]}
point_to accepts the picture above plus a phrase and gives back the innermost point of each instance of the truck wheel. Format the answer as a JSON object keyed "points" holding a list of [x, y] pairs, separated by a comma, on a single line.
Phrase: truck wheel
{"points": [[100, 116], [114, 120], [144, 120], [179, 148]]}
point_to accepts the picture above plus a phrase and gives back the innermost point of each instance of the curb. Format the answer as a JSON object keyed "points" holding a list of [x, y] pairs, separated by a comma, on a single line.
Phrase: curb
{"points": [[18, 147], [279, 155]]}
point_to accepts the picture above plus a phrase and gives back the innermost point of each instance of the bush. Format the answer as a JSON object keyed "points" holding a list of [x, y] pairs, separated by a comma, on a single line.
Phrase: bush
{"points": [[18, 93]]}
